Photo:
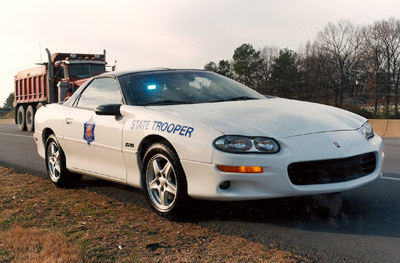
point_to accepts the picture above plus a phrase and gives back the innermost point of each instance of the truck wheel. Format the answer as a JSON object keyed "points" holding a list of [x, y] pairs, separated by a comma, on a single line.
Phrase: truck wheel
{"points": [[30, 118], [21, 118], [56, 165]]}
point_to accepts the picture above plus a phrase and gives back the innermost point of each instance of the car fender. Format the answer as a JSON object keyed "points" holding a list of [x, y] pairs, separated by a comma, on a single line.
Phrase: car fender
{"points": [[186, 136], [50, 115]]}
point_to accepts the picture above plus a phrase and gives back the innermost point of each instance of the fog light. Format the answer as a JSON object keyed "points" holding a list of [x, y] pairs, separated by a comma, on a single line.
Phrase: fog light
{"points": [[225, 185]]}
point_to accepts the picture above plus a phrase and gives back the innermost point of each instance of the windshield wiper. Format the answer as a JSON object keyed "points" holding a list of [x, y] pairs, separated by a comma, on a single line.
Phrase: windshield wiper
{"points": [[236, 99], [166, 102]]}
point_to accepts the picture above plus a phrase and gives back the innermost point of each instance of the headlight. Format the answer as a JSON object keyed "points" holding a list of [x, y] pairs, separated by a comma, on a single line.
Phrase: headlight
{"points": [[241, 144], [367, 130]]}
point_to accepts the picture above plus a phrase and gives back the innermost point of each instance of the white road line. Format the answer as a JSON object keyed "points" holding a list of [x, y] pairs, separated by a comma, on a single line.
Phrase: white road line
{"points": [[392, 177], [16, 135]]}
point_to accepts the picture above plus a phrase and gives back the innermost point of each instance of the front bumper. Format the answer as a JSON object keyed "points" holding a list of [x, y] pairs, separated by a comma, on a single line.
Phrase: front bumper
{"points": [[204, 179], [38, 136]]}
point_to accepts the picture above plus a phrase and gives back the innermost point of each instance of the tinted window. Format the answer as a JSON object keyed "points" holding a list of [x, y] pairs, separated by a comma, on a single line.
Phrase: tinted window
{"points": [[85, 70], [100, 91], [174, 87], [60, 73]]}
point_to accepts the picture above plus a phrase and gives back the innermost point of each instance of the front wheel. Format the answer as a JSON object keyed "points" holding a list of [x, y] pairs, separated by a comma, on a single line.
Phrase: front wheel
{"points": [[56, 166], [164, 180]]}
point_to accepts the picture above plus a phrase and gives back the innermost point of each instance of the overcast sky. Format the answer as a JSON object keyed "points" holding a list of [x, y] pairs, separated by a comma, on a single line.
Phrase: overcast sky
{"points": [[166, 33]]}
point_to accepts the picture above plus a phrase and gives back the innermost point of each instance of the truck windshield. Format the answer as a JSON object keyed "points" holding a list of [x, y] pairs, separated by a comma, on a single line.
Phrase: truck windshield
{"points": [[85, 70]]}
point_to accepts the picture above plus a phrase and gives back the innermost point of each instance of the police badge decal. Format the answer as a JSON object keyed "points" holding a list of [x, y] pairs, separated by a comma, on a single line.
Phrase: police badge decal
{"points": [[88, 131]]}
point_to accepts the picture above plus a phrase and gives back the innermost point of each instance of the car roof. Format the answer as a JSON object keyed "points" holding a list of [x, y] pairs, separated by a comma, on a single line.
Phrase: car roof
{"points": [[125, 72]]}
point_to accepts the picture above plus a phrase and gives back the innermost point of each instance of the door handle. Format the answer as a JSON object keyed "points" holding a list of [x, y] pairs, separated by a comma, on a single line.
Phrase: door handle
{"points": [[69, 120]]}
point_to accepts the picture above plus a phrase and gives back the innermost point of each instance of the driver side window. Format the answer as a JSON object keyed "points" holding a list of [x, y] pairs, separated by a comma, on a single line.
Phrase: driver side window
{"points": [[61, 73], [100, 91]]}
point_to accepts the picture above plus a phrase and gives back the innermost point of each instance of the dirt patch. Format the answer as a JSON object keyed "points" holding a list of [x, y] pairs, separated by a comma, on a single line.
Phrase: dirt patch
{"points": [[40, 223]]}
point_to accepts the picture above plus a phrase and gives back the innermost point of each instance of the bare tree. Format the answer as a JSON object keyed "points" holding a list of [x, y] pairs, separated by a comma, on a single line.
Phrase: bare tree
{"points": [[319, 76], [344, 61], [390, 37], [267, 55], [340, 42], [372, 57]]}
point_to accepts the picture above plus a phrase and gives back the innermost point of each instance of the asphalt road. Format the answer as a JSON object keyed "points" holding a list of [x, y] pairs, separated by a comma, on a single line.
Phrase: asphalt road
{"points": [[362, 225]]}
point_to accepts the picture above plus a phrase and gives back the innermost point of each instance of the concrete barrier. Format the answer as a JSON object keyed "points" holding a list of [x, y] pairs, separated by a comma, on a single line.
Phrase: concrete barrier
{"points": [[386, 128], [379, 126], [393, 129]]}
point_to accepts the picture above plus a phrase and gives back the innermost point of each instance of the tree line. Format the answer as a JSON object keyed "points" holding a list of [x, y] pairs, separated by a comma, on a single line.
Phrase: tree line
{"points": [[8, 103], [345, 65]]}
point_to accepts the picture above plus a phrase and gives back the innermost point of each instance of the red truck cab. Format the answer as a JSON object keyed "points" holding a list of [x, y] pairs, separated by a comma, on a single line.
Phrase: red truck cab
{"points": [[52, 82]]}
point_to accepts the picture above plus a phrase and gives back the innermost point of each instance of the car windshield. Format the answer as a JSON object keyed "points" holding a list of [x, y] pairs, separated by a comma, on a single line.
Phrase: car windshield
{"points": [[85, 70], [182, 87]]}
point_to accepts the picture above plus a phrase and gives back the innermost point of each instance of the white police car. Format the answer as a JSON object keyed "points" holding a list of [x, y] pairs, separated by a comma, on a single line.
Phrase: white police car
{"points": [[192, 133]]}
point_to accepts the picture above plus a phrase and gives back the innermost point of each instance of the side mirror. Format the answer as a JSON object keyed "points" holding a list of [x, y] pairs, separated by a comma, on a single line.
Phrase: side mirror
{"points": [[109, 109]]}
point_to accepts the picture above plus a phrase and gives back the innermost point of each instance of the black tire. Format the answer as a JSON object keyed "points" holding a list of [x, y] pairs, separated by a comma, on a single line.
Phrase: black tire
{"points": [[56, 165], [30, 118], [164, 181], [21, 118]]}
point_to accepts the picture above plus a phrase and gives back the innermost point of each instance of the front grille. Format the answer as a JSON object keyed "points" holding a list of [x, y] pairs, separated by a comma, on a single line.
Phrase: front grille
{"points": [[332, 171]]}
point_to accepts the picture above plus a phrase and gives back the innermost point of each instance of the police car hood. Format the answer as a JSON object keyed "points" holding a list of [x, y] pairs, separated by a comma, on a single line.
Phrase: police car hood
{"points": [[268, 117]]}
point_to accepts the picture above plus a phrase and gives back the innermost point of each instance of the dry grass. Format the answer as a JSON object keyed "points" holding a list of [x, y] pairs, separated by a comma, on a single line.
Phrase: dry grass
{"points": [[38, 245], [40, 223]]}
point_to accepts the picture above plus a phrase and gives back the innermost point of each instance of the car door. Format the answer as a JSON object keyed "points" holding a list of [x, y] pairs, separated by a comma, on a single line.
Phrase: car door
{"points": [[94, 142]]}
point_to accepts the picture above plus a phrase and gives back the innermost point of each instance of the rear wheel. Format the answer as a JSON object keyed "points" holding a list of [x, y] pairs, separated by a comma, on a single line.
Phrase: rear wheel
{"points": [[164, 180], [21, 118], [30, 120], [56, 165]]}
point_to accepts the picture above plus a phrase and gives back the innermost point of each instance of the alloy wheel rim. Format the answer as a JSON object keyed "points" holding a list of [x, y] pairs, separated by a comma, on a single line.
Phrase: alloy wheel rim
{"points": [[161, 182], [53, 161]]}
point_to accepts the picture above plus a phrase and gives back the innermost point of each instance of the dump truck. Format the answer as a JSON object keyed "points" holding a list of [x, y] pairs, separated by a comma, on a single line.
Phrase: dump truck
{"points": [[51, 82]]}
